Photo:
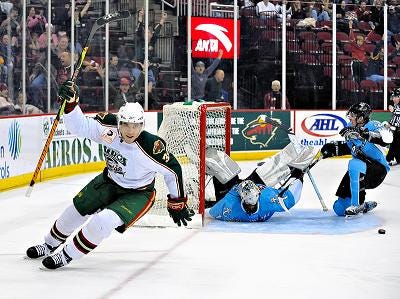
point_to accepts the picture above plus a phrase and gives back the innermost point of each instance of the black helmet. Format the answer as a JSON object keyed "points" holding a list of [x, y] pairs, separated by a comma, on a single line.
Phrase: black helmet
{"points": [[361, 110], [395, 93]]}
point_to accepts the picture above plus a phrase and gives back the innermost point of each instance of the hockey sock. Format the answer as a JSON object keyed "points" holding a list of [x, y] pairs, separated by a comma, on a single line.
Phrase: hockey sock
{"points": [[96, 230], [357, 169], [69, 220]]}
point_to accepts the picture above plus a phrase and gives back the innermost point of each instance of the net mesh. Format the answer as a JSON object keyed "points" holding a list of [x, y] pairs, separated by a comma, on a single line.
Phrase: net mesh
{"points": [[180, 129]]}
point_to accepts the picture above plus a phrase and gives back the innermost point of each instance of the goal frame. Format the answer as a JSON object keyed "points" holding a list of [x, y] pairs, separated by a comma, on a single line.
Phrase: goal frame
{"points": [[204, 108]]}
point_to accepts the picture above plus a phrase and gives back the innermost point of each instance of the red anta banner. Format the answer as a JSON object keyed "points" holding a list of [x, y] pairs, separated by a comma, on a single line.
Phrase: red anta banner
{"points": [[209, 35]]}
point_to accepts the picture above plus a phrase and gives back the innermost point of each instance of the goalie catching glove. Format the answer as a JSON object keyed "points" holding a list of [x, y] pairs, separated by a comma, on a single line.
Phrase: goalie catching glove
{"points": [[69, 92], [178, 210]]}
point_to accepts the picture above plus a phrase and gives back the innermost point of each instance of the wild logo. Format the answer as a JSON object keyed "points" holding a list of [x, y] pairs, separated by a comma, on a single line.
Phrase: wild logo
{"points": [[158, 147], [258, 131]]}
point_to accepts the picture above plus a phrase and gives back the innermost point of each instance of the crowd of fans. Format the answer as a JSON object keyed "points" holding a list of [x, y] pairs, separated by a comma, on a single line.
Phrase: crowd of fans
{"points": [[360, 53]]}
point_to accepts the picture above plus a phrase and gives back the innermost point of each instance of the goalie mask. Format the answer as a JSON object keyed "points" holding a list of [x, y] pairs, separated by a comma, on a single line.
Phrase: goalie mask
{"points": [[361, 112], [130, 113], [249, 194]]}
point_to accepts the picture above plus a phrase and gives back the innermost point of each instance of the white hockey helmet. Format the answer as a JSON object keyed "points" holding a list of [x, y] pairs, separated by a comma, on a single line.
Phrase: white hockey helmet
{"points": [[249, 193], [130, 113]]}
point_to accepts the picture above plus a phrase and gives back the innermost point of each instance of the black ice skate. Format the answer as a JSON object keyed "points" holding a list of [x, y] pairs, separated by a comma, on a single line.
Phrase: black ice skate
{"points": [[57, 260], [38, 251], [369, 205], [364, 208]]}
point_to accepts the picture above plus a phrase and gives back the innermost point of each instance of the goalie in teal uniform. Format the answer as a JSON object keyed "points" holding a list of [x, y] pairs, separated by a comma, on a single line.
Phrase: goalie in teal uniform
{"points": [[274, 186]]}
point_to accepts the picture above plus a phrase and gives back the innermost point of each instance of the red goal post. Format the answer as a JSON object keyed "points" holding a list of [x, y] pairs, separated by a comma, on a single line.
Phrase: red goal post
{"points": [[188, 128]]}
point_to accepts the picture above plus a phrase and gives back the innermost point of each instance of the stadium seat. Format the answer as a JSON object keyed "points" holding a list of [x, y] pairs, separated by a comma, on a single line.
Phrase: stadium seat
{"points": [[324, 36], [364, 27]]}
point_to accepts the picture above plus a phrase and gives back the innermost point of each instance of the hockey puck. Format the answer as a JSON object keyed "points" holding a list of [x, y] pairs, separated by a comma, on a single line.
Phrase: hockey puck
{"points": [[381, 231]]}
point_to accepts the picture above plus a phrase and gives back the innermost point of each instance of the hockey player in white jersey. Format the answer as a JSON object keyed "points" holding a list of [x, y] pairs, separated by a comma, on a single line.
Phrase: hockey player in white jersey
{"points": [[274, 186], [123, 193]]}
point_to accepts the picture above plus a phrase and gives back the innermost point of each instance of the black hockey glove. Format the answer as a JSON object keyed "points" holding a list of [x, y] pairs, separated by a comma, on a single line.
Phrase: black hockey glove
{"points": [[178, 210], [69, 92], [330, 150], [350, 133]]}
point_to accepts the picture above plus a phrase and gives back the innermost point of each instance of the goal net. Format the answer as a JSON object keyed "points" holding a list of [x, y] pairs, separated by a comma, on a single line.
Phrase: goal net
{"points": [[188, 129]]}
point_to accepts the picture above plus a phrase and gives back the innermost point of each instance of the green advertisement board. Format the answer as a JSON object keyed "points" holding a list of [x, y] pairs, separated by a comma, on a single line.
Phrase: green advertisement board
{"points": [[250, 132]]}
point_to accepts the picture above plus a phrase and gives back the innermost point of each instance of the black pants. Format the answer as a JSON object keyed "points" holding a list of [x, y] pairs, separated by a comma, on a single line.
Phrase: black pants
{"points": [[373, 177], [358, 70], [394, 148]]}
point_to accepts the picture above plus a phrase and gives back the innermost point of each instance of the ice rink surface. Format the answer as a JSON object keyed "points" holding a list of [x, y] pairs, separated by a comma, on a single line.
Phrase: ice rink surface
{"points": [[305, 254]]}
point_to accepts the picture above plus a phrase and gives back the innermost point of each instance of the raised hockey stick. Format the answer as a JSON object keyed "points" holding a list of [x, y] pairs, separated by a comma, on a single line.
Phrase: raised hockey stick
{"points": [[99, 23]]}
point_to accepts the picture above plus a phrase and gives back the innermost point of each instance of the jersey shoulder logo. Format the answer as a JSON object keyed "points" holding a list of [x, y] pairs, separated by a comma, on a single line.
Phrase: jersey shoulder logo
{"points": [[158, 147], [108, 135]]}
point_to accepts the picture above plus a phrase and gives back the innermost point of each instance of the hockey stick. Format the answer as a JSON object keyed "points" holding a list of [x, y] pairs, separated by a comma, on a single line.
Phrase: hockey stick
{"points": [[99, 23]]}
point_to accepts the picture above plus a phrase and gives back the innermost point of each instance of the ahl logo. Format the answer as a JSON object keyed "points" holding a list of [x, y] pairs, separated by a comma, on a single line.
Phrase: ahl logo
{"points": [[212, 45], [258, 131], [323, 125], [14, 140]]}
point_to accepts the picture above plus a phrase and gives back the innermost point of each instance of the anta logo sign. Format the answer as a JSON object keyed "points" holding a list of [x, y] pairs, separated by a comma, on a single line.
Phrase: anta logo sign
{"points": [[258, 131], [209, 35], [323, 125]]}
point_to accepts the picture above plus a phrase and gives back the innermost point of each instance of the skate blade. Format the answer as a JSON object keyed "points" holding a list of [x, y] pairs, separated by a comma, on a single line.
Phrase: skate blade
{"points": [[351, 217]]}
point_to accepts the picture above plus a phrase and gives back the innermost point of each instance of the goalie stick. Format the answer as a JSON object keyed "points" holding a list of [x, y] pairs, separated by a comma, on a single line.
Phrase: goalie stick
{"points": [[99, 23], [292, 138]]}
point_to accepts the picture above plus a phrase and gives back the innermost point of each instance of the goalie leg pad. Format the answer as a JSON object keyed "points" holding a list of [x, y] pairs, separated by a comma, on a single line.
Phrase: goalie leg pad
{"points": [[220, 165], [274, 169], [305, 158], [340, 205]]}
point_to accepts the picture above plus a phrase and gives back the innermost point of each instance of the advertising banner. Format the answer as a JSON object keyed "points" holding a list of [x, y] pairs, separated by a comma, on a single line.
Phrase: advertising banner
{"points": [[319, 127], [22, 140], [209, 35], [251, 132]]}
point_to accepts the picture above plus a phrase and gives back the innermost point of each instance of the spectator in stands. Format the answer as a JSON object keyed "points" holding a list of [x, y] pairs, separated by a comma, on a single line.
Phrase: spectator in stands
{"points": [[298, 11], [200, 75], [43, 38], [3, 70], [20, 108], [6, 104], [393, 22], [5, 41], [140, 47], [247, 3], [273, 99], [319, 12], [358, 53], [127, 92], [279, 10], [341, 10], [213, 89], [113, 69], [152, 36], [34, 50], [64, 69], [13, 22], [377, 21], [265, 9], [363, 12], [375, 62], [62, 15], [36, 21]]}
